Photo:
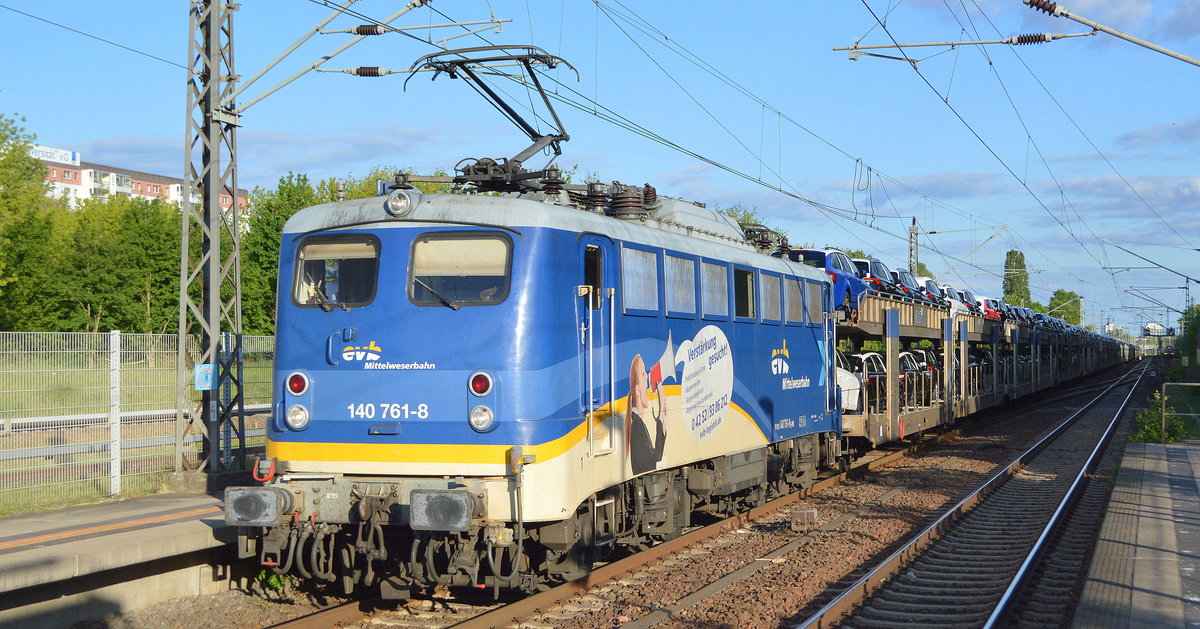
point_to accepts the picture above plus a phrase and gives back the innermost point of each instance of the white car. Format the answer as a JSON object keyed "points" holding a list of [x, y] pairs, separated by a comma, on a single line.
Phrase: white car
{"points": [[958, 302], [849, 384]]}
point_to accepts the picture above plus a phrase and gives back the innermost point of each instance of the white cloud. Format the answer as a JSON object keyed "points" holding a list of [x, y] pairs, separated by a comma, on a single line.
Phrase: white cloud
{"points": [[264, 156], [1184, 132], [1116, 13], [1109, 207], [1181, 22], [154, 155]]}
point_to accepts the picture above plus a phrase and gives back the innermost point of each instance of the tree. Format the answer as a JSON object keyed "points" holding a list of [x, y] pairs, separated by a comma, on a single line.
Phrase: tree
{"points": [[121, 270], [23, 187], [268, 211], [22, 178], [150, 258], [1016, 279], [1189, 330], [36, 243], [749, 216], [364, 187], [1066, 305]]}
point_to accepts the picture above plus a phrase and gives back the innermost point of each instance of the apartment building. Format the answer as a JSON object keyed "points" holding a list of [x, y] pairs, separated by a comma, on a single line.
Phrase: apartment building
{"points": [[78, 180]]}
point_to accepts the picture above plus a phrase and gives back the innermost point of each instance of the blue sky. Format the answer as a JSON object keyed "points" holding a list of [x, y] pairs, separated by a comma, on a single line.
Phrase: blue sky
{"points": [[1064, 143]]}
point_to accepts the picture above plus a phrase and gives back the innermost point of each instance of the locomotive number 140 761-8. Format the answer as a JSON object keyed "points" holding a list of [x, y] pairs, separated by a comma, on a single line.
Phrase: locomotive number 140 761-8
{"points": [[387, 410]]}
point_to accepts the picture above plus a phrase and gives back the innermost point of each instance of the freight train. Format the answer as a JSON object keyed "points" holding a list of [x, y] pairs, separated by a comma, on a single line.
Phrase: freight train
{"points": [[496, 385]]}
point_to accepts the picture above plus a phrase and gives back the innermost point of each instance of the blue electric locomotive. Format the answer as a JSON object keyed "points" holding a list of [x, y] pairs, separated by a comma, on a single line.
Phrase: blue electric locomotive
{"points": [[493, 389], [475, 389]]}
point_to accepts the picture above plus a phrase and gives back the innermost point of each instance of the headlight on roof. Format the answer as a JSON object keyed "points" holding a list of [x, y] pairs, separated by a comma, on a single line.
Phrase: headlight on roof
{"points": [[399, 204]]}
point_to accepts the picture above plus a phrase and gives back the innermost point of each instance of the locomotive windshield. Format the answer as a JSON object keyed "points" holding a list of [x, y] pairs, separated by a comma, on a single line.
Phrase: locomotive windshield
{"points": [[453, 269], [336, 271]]}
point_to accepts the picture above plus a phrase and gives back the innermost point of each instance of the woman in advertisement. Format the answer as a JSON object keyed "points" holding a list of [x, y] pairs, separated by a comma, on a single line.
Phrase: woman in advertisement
{"points": [[643, 452]]}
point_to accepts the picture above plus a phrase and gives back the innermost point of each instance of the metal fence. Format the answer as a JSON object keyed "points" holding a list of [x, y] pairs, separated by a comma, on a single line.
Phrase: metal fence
{"points": [[1183, 398], [84, 416]]}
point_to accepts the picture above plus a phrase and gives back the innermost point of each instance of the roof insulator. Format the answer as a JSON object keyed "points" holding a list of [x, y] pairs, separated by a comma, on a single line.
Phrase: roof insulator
{"points": [[1043, 5], [1035, 38], [370, 29]]}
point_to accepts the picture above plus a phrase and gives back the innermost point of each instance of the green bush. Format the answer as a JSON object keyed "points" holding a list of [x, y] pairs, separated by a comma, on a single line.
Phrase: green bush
{"points": [[1150, 423], [1177, 373]]}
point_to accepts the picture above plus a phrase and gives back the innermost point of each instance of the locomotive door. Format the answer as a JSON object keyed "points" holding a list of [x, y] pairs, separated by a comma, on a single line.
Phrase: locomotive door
{"points": [[596, 320], [831, 388]]}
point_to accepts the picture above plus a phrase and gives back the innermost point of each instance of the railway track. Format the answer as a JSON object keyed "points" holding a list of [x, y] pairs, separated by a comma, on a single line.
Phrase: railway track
{"points": [[433, 613], [567, 604], [968, 568]]}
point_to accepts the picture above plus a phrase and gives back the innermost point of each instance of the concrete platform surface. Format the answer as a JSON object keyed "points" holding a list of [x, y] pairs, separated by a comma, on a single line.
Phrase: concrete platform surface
{"points": [[1145, 572], [41, 548]]}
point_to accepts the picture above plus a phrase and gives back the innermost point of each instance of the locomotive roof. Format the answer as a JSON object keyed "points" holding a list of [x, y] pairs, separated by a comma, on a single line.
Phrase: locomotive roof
{"points": [[673, 224]]}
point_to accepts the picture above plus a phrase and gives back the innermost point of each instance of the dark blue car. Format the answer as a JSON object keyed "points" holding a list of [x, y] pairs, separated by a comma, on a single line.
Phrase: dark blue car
{"points": [[848, 287]]}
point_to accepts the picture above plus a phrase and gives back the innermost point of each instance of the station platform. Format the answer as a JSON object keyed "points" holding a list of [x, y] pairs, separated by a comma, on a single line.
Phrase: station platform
{"points": [[1145, 571], [78, 563]]}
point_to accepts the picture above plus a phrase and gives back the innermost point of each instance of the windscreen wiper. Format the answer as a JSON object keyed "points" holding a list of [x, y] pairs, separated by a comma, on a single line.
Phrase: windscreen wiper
{"points": [[324, 301], [445, 302]]}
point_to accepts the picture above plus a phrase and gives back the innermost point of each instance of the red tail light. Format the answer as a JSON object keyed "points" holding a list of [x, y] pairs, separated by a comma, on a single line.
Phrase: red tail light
{"points": [[481, 383], [832, 277], [297, 383]]}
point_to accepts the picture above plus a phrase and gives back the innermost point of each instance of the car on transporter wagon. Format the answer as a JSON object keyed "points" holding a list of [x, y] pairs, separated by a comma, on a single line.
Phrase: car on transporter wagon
{"points": [[877, 275], [907, 283], [848, 287]]}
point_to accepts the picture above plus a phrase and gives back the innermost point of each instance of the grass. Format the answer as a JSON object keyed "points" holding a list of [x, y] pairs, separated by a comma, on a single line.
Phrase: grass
{"points": [[43, 379], [39, 388]]}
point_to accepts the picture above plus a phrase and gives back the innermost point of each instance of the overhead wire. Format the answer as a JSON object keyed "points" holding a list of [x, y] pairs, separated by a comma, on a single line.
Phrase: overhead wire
{"points": [[96, 37], [683, 52], [592, 106], [986, 145], [615, 118], [1068, 116], [1031, 141]]}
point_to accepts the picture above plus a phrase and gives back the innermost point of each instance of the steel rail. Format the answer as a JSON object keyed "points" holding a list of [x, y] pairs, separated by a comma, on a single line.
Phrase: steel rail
{"points": [[833, 612], [1035, 553], [507, 615], [503, 617]]}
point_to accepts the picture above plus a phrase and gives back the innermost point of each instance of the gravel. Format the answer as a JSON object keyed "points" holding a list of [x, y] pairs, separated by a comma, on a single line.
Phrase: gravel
{"points": [[781, 590]]}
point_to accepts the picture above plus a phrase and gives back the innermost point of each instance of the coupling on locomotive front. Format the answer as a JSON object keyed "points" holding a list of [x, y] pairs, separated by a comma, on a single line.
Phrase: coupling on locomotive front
{"points": [[496, 390]]}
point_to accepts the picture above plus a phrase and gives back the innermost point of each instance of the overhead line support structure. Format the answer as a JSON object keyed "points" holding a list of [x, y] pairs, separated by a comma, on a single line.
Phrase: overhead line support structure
{"points": [[210, 294], [1057, 10], [857, 51]]}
